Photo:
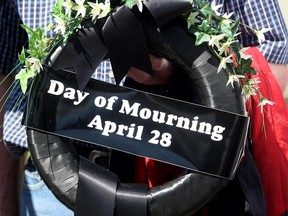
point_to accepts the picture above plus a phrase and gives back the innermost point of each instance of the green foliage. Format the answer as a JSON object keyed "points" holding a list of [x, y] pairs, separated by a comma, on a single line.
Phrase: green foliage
{"points": [[201, 37], [218, 32], [206, 10]]}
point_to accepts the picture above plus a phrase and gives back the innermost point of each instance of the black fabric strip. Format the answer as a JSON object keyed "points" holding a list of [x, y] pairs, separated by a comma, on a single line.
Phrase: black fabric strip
{"points": [[249, 181], [131, 200], [96, 190], [98, 194], [125, 39]]}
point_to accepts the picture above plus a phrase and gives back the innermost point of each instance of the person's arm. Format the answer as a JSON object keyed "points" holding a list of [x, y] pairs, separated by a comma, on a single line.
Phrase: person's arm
{"points": [[9, 167], [280, 71], [12, 37]]}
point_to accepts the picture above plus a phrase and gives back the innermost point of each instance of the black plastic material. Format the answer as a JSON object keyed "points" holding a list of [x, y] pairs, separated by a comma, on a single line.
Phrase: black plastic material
{"points": [[196, 81]]}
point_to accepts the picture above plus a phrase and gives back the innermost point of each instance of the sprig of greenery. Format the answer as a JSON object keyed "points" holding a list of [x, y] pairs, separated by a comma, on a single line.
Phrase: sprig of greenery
{"points": [[220, 33], [217, 31]]}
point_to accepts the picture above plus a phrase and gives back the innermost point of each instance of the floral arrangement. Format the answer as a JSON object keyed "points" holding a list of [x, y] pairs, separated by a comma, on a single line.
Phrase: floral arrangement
{"points": [[218, 31]]}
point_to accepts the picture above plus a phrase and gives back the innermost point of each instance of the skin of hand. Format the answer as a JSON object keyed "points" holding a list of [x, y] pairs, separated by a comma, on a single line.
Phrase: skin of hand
{"points": [[162, 68], [281, 74], [9, 168]]}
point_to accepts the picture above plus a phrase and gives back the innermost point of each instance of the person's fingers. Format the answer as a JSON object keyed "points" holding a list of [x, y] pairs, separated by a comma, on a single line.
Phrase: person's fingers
{"points": [[162, 68], [141, 76]]}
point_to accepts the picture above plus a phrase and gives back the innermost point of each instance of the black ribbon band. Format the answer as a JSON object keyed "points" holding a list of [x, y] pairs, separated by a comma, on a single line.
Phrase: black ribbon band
{"points": [[96, 190], [98, 194], [121, 36], [130, 124], [125, 37], [131, 200]]}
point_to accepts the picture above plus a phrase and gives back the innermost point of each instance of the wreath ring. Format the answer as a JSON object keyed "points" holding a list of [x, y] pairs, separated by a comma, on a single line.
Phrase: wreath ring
{"points": [[185, 194]]}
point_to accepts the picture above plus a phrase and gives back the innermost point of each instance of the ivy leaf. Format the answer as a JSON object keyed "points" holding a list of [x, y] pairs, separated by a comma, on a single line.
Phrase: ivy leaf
{"points": [[39, 33], [200, 3], [245, 67], [226, 29], [130, 3], [22, 56], [206, 10], [33, 53], [207, 28], [27, 29], [235, 49], [235, 25], [23, 76], [58, 9], [201, 38]]}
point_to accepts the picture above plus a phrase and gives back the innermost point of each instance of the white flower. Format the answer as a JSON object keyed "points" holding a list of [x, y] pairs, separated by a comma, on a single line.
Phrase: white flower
{"points": [[243, 55], [250, 86], [139, 4], [253, 81], [68, 7], [96, 9], [232, 78], [225, 47], [263, 102], [223, 62], [80, 8], [60, 25], [35, 64], [105, 9], [260, 34], [248, 90], [214, 41], [192, 19], [216, 7], [226, 18]]}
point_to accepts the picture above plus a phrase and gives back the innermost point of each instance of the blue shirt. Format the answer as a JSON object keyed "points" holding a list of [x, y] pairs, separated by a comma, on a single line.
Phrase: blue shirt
{"points": [[34, 13], [261, 14]]}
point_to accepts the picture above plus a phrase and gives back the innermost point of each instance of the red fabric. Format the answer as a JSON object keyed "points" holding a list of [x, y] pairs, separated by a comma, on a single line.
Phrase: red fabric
{"points": [[270, 137], [270, 143], [153, 172]]}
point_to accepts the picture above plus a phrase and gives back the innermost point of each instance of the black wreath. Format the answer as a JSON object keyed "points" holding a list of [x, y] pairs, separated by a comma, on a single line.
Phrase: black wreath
{"points": [[195, 81]]}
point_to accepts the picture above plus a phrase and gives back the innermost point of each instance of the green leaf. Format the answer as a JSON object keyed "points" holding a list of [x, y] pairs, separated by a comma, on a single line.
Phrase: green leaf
{"points": [[129, 3], [207, 28], [235, 49], [201, 3], [235, 25], [33, 53], [22, 56], [201, 38], [23, 76], [58, 9], [226, 29], [39, 33], [207, 10], [245, 67], [27, 29]]}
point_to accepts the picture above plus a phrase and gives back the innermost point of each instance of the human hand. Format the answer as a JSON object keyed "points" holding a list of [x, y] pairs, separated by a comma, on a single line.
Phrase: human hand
{"points": [[162, 68]]}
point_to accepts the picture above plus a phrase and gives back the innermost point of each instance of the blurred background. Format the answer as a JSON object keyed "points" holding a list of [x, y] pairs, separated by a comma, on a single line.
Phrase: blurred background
{"points": [[284, 8]]}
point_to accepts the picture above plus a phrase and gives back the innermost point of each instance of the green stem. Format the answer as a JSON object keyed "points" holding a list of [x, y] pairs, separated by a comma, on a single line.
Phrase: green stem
{"points": [[10, 73]]}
